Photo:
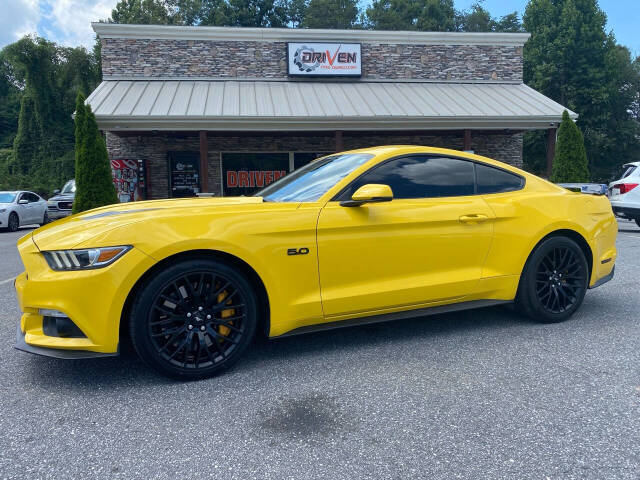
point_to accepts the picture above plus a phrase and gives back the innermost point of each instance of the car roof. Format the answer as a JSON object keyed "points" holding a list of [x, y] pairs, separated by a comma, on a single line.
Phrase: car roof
{"points": [[409, 149]]}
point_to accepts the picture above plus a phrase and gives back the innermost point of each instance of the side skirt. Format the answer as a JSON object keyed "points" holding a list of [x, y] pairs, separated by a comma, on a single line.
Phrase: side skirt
{"points": [[387, 317]]}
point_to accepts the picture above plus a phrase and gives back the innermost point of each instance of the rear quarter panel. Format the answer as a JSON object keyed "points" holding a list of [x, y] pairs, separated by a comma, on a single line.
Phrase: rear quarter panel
{"points": [[524, 218]]}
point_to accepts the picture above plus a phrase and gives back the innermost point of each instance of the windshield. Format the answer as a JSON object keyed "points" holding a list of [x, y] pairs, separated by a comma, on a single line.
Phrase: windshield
{"points": [[7, 197], [313, 180], [69, 187]]}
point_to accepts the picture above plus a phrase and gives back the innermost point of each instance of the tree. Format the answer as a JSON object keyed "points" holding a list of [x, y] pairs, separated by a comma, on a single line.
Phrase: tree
{"points": [[338, 14], [94, 181], [570, 163], [434, 15], [571, 59], [478, 19], [145, 12]]}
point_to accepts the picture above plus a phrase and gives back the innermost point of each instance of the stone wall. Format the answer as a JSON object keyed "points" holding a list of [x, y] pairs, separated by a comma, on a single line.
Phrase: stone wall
{"points": [[155, 149], [243, 59]]}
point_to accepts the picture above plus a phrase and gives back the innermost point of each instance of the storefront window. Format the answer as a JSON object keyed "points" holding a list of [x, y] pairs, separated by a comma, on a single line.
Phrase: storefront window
{"points": [[300, 159], [246, 173]]}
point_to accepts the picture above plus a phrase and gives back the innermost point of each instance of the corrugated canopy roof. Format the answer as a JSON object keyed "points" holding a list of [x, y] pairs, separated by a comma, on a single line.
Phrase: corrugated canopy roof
{"points": [[289, 105]]}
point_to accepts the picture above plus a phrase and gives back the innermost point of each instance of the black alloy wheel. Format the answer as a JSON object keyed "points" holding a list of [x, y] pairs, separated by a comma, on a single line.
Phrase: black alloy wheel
{"points": [[13, 223], [194, 319], [554, 281]]}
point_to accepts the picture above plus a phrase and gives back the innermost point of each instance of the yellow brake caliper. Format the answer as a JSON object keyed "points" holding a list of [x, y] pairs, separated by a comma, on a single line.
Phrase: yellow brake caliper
{"points": [[229, 312]]}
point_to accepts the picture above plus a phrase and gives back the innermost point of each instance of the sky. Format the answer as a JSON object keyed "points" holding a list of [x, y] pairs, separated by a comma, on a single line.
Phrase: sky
{"points": [[69, 21]]}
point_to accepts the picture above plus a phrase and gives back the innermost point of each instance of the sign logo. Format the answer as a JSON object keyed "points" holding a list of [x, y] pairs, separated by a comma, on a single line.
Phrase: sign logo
{"points": [[325, 59]]}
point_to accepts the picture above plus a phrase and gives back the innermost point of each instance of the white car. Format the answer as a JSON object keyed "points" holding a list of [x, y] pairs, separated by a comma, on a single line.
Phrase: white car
{"points": [[625, 193], [21, 208]]}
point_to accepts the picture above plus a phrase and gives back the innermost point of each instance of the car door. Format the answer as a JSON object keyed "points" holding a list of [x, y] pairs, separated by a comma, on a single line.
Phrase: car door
{"points": [[39, 206], [426, 245], [24, 210]]}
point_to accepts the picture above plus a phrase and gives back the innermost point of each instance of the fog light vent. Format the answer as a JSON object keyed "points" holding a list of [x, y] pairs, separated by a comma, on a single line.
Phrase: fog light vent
{"points": [[54, 326]]}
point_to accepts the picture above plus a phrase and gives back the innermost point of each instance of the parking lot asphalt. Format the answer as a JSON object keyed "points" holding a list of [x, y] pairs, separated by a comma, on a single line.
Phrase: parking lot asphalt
{"points": [[478, 394]]}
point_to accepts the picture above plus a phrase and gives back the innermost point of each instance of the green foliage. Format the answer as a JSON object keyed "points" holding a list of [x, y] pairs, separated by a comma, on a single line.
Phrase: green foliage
{"points": [[39, 81], [571, 59], [478, 19], [94, 182], [339, 14], [570, 162], [433, 15], [145, 12]]}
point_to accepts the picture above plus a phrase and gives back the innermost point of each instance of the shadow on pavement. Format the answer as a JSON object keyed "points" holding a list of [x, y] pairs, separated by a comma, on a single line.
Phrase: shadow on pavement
{"points": [[128, 371]]}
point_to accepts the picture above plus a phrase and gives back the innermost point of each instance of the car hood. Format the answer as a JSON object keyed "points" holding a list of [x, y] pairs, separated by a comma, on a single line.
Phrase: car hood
{"points": [[6, 205], [76, 229]]}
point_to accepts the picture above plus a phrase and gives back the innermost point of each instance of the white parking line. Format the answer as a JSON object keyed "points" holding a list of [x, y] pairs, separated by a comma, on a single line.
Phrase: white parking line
{"points": [[7, 280]]}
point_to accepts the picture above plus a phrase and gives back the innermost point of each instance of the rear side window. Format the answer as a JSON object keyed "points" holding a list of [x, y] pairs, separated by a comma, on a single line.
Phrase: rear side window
{"points": [[628, 171], [420, 177], [495, 180]]}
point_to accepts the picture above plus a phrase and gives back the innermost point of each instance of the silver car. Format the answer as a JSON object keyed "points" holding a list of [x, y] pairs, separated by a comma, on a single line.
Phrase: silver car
{"points": [[61, 203], [22, 208]]}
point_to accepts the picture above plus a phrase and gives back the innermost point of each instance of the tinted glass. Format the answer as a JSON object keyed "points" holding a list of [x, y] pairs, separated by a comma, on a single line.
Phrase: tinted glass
{"points": [[494, 180], [7, 197], [420, 177], [32, 197], [314, 179], [626, 171], [69, 187]]}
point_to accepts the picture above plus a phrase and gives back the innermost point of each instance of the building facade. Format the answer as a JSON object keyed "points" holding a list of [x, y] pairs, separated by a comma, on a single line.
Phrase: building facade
{"points": [[225, 111]]}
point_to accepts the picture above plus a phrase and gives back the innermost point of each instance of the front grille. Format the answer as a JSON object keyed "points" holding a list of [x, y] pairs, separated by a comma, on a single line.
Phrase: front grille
{"points": [[65, 205]]}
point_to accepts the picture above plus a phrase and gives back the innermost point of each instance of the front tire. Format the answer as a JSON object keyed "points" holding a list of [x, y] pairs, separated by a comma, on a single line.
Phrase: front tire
{"points": [[554, 281], [14, 222], [194, 319]]}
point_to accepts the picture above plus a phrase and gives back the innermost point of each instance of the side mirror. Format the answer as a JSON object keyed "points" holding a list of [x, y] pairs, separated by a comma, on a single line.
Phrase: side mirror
{"points": [[56, 191], [23, 202], [370, 193]]}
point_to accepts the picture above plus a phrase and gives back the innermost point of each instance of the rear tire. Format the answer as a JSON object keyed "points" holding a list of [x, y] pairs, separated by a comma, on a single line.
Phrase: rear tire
{"points": [[194, 319], [554, 281], [14, 222], [45, 219]]}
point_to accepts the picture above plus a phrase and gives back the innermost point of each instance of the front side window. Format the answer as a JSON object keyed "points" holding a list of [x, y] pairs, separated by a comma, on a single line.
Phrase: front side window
{"points": [[314, 179], [495, 180], [420, 176]]}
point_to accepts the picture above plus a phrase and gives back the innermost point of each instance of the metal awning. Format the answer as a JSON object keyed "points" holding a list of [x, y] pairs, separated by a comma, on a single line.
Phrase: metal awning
{"points": [[290, 105]]}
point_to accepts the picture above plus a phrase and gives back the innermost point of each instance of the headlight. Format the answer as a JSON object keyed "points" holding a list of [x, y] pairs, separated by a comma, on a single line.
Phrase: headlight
{"points": [[84, 259], [2, 210], [51, 202]]}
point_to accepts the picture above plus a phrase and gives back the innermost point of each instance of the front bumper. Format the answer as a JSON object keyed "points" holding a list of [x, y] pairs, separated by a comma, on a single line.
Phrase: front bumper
{"points": [[93, 299], [55, 214], [22, 345]]}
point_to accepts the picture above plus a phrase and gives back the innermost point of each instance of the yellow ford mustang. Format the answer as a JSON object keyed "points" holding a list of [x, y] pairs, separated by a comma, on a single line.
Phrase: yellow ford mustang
{"points": [[362, 236]]}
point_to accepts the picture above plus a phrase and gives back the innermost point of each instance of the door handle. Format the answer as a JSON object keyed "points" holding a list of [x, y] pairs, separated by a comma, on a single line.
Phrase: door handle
{"points": [[473, 218]]}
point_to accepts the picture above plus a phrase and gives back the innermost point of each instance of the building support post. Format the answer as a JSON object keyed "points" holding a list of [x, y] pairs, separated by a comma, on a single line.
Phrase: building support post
{"points": [[551, 149], [467, 140], [339, 142], [204, 153]]}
